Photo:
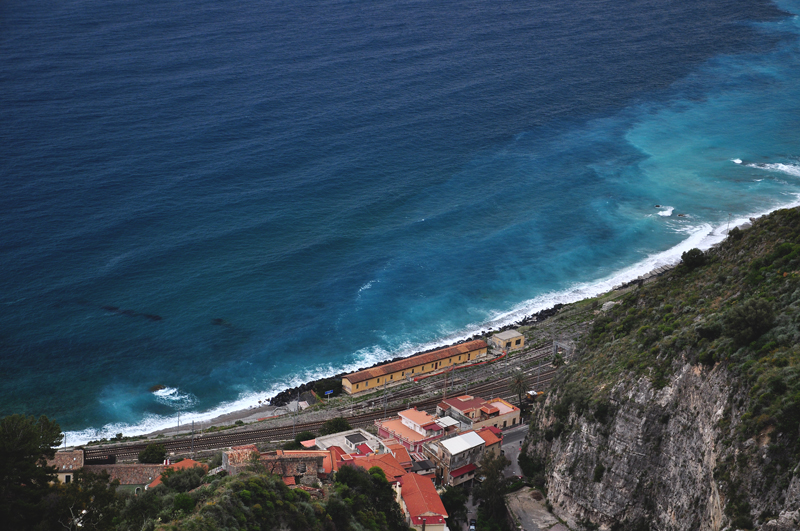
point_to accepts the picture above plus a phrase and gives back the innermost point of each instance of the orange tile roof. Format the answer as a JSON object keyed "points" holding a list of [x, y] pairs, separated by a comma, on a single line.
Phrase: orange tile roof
{"points": [[386, 462], [180, 465], [289, 480], [488, 436], [401, 430], [422, 500], [415, 361], [464, 403], [419, 417], [400, 453]]}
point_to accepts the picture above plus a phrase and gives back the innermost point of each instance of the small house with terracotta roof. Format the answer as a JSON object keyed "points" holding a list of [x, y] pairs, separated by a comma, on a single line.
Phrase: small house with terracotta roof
{"points": [[421, 503], [401, 454], [386, 462], [397, 371], [491, 439], [67, 462]]}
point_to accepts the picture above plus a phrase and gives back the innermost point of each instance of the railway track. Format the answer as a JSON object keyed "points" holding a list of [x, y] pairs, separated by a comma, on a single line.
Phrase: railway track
{"points": [[254, 436], [497, 387]]}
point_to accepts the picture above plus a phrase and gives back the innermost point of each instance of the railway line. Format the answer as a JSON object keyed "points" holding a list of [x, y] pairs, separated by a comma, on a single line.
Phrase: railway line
{"points": [[359, 417]]}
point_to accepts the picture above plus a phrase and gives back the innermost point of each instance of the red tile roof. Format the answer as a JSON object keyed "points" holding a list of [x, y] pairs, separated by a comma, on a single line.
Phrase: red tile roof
{"points": [[386, 462], [401, 454], [289, 480], [463, 470], [414, 361], [496, 431], [489, 436], [421, 499], [364, 449]]}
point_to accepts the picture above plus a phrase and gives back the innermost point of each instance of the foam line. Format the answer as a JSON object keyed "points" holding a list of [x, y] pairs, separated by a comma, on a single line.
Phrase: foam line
{"points": [[702, 236]]}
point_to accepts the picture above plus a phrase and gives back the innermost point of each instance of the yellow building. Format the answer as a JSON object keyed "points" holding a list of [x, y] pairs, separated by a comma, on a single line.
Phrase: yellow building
{"points": [[398, 371], [508, 340]]}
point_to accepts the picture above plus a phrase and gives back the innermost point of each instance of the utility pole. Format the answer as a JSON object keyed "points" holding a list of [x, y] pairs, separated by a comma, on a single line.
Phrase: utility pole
{"points": [[192, 439], [385, 398]]}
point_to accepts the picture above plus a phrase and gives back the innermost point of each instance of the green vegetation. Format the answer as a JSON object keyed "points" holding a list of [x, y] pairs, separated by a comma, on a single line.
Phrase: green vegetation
{"points": [[295, 444], [154, 453], [519, 385], [734, 308], [335, 425], [454, 500], [25, 445], [739, 305], [188, 499], [491, 493]]}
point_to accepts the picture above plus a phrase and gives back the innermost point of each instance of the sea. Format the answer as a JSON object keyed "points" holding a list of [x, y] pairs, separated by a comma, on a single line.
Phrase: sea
{"points": [[203, 203]]}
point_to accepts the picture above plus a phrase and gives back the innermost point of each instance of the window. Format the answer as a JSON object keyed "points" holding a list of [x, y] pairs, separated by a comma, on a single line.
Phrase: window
{"points": [[504, 423], [518, 342], [513, 421], [391, 377], [357, 385], [508, 345], [67, 478], [412, 371]]}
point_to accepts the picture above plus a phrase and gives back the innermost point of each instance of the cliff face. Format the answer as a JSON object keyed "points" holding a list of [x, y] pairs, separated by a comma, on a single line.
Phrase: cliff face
{"points": [[663, 459], [681, 410]]}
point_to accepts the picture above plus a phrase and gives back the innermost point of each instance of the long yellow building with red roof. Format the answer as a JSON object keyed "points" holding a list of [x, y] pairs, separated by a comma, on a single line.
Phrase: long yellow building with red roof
{"points": [[398, 371]]}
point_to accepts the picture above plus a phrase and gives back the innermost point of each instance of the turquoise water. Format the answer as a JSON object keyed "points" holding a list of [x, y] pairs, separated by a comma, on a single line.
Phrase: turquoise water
{"points": [[228, 200]]}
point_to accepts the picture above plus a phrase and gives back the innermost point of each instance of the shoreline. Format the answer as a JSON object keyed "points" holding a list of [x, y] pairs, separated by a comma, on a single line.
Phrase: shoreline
{"points": [[660, 263]]}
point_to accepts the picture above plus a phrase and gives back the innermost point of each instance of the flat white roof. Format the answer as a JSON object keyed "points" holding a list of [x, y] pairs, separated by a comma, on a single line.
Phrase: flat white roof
{"points": [[446, 422], [462, 443], [508, 334]]}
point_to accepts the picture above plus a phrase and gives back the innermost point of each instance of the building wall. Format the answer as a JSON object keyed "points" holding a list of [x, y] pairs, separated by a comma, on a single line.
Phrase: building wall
{"points": [[501, 421], [400, 375], [510, 344]]}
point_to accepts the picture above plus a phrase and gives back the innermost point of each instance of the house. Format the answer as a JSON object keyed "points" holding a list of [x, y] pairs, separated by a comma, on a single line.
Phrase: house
{"points": [[421, 503], [67, 462], [507, 341], [180, 465], [411, 428], [424, 467], [351, 441], [475, 413], [386, 462], [398, 371], [297, 467], [135, 477], [492, 438], [401, 454], [456, 458]]}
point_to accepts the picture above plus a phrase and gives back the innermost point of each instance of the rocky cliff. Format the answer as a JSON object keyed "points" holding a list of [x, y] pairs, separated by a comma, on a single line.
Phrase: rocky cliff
{"points": [[682, 410]]}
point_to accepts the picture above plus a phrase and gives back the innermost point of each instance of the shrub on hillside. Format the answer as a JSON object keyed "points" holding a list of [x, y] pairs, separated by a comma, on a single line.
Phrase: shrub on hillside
{"points": [[693, 258], [748, 321], [153, 454]]}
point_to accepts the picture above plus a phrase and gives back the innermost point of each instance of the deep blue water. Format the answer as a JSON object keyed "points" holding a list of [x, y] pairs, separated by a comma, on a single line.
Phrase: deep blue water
{"points": [[341, 182]]}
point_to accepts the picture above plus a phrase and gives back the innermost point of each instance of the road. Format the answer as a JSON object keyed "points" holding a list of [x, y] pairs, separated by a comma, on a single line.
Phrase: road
{"points": [[512, 438]]}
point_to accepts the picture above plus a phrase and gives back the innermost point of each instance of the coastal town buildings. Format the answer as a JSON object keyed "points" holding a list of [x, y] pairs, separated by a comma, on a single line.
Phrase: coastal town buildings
{"points": [[475, 412], [398, 371], [351, 441], [507, 341], [411, 428], [456, 458]]}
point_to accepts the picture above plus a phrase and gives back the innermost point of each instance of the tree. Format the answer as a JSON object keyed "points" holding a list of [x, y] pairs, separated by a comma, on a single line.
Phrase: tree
{"points": [[748, 321], [693, 258], [519, 384], [491, 492], [25, 479], [335, 425], [454, 500], [154, 454], [88, 502]]}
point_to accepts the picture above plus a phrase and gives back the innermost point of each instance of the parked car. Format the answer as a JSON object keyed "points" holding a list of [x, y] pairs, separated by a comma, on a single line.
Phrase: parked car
{"points": [[472, 524]]}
